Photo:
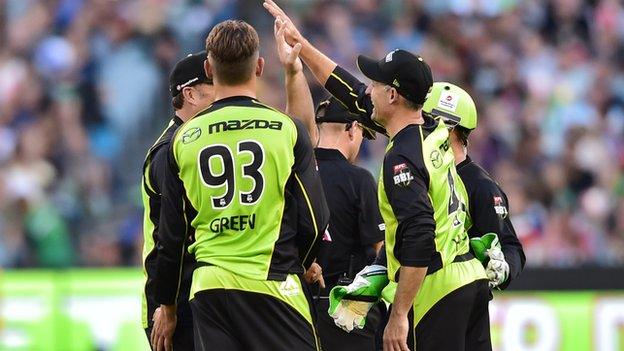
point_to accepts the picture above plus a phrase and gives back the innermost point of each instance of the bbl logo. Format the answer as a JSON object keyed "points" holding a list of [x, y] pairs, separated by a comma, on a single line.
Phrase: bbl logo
{"points": [[191, 135], [499, 207], [402, 175], [436, 158]]}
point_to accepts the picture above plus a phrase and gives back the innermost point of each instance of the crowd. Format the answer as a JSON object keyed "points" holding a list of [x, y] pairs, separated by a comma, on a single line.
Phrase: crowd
{"points": [[83, 93]]}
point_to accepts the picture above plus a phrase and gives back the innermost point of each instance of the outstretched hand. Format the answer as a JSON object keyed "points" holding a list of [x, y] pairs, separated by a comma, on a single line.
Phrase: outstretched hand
{"points": [[288, 55], [291, 33]]}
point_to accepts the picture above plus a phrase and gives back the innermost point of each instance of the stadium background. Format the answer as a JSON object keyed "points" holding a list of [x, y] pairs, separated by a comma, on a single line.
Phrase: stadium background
{"points": [[83, 93]]}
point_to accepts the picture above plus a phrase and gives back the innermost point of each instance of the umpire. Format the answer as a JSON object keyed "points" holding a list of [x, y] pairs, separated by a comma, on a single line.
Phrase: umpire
{"points": [[356, 230], [191, 92]]}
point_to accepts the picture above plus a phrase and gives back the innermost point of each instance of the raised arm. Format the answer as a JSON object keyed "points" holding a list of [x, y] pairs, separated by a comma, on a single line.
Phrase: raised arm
{"points": [[339, 82], [299, 102]]}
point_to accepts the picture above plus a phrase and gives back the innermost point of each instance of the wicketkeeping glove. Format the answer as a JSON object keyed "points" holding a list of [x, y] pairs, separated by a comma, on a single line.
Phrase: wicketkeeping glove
{"points": [[349, 305], [487, 249]]}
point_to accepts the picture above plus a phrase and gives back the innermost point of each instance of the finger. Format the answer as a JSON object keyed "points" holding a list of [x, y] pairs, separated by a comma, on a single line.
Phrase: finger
{"points": [[404, 346], [158, 345], [296, 50], [321, 279], [272, 6], [153, 336], [396, 346], [387, 346], [169, 345], [279, 35], [273, 9]]}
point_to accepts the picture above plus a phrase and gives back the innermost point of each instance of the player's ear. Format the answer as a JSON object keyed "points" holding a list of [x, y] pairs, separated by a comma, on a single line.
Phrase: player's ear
{"points": [[208, 69], [259, 66], [393, 97], [352, 130], [189, 95]]}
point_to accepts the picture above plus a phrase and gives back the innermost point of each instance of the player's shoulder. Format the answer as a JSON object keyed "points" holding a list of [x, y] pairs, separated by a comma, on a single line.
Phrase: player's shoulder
{"points": [[407, 145], [360, 175], [163, 141], [478, 181]]}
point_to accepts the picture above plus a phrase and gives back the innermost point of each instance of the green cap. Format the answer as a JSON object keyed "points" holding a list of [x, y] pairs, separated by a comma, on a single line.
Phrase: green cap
{"points": [[453, 104]]}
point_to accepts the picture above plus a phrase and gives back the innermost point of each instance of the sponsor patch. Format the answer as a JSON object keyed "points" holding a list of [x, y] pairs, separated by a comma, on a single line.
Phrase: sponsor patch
{"points": [[436, 158], [289, 287], [389, 56], [402, 175], [191, 135], [448, 101], [327, 236], [382, 226], [499, 207]]}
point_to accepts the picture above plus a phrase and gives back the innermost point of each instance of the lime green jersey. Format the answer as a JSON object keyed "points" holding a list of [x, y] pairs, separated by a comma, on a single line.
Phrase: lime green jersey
{"points": [[243, 184], [422, 200]]}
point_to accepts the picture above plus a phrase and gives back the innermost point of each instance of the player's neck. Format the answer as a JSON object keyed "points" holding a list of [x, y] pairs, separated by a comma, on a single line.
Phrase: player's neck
{"points": [[186, 113], [402, 118], [225, 91], [460, 152], [332, 141]]}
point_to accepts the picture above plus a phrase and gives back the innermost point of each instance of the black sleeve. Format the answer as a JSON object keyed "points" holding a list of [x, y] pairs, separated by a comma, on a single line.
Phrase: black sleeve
{"points": [[370, 223], [172, 234], [490, 214], [406, 185], [314, 211], [350, 91], [158, 165]]}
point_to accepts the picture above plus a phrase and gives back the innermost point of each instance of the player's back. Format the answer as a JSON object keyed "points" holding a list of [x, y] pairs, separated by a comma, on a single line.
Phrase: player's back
{"points": [[235, 160]]}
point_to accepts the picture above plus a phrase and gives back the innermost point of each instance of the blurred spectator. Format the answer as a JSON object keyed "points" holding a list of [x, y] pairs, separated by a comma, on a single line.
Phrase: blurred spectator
{"points": [[83, 93]]}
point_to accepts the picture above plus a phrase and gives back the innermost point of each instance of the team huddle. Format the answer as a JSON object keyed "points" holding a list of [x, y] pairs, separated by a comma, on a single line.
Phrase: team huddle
{"points": [[261, 233]]}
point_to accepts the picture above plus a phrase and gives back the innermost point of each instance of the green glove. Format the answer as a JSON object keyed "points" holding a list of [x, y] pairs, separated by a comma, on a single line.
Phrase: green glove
{"points": [[487, 249], [349, 305], [480, 246]]}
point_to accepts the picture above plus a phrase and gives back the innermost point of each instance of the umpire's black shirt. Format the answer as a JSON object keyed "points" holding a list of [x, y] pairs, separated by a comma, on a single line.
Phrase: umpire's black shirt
{"points": [[355, 222], [489, 212]]}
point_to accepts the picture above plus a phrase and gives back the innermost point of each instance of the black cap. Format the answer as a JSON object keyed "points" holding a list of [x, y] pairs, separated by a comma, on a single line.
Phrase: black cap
{"points": [[409, 74], [333, 111], [188, 72]]}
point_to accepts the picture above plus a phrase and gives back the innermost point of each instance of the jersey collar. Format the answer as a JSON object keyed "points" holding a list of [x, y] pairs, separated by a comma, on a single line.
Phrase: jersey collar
{"points": [[329, 154], [464, 163], [177, 120]]}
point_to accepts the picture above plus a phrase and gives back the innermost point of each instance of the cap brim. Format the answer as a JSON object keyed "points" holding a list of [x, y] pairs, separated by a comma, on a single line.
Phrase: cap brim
{"points": [[368, 133], [369, 68]]}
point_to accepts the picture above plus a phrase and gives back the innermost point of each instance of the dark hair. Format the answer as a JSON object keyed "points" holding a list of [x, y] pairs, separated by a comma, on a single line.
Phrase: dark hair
{"points": [[178, 101], [412, 105], [233, 47], [462, 134]]}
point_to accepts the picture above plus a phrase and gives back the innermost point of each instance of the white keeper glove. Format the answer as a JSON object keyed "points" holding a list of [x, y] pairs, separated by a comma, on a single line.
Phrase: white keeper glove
{"points": [[497, 269]]}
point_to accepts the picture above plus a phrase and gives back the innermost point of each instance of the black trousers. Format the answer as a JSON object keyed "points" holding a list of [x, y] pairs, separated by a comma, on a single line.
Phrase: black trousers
{"points": [[183, 339], [459, 321], [235, 320], [335, 339]]}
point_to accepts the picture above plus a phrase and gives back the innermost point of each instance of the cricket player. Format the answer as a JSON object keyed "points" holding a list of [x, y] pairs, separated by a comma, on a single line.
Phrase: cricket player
{"points": [[191, 92], [242, 182], [442, 294], [356, 230], [488, 215], [492, 234]]}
